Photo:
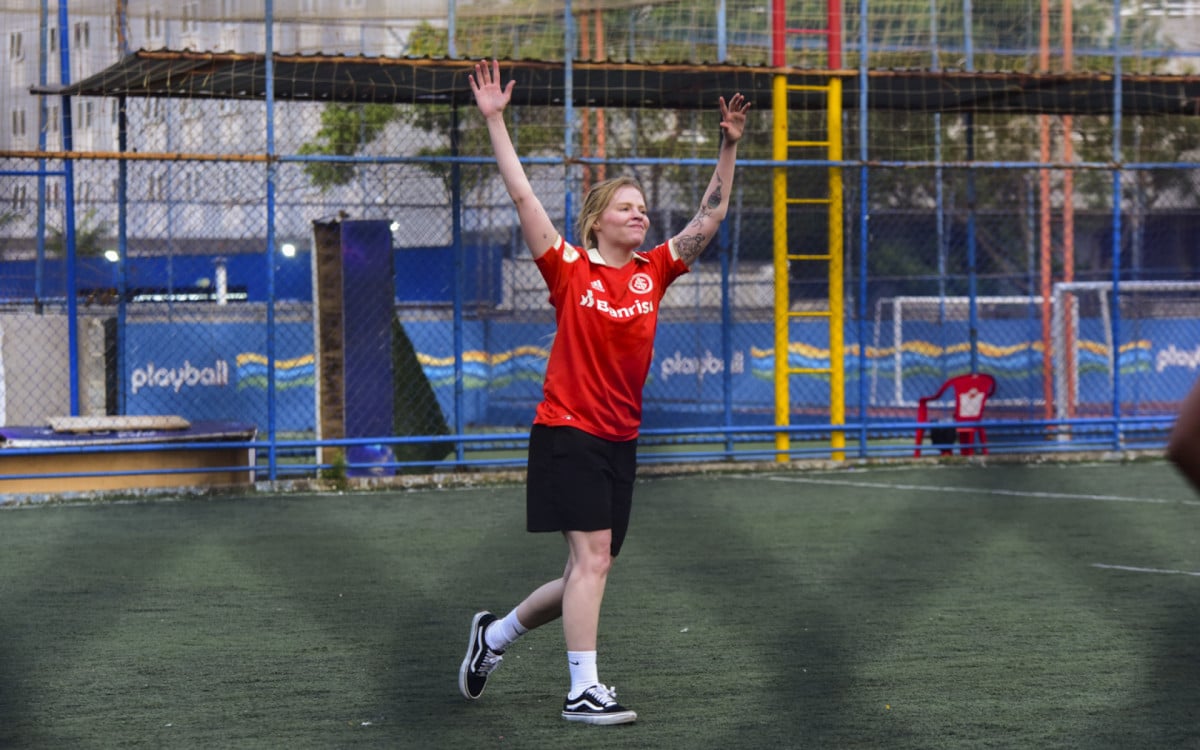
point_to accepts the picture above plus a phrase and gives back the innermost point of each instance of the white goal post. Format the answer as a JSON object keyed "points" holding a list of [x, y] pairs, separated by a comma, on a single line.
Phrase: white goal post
{"points": [[1066, 332], [1080, 336], [933, 308]]}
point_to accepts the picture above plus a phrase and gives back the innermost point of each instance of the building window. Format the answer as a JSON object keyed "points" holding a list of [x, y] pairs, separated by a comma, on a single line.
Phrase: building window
{"points": [[153, 110], [154, 187], [190, 189], [83, 35], [190, 109], [16, 49], [52, 39], [20, 195], [18, 123], [191, 17], [85, 113], [154, 24]]}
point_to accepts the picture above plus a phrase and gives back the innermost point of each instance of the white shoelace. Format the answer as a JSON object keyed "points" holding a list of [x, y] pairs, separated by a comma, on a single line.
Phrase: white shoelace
{"points": [[490, 661], [604, 695]]}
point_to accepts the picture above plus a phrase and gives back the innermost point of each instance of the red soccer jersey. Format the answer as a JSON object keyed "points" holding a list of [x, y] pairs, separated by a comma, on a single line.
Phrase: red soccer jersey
{"points": [[606, 320]]}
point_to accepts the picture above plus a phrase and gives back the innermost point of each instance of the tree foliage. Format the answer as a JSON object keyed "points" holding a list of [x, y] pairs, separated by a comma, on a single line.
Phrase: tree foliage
{"points": [[92, 237], [1004, 35], [345, 130], [651, 134]]}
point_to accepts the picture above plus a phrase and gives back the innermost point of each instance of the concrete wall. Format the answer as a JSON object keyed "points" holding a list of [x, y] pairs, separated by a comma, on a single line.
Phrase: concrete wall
{"points": [[35, 368]]}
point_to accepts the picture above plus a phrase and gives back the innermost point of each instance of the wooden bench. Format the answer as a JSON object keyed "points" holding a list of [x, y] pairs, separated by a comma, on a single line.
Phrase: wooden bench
{"points": [[81, 454]]}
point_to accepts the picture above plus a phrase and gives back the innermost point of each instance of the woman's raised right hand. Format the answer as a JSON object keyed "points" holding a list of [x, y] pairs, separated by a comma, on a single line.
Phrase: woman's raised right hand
{"points": [[485, 83]]}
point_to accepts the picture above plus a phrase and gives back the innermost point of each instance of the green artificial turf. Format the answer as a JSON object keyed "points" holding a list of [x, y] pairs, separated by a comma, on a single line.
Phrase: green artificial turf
{"points": [[907, 607]]}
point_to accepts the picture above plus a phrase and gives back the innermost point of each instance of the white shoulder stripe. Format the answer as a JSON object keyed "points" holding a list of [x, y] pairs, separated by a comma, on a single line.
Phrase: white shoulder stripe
{"points": [[671, 246], [570, 253]]}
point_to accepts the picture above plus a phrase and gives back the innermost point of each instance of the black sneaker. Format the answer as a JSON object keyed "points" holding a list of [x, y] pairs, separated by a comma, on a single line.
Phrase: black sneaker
{"points": [[480, 660], [597, 705]]}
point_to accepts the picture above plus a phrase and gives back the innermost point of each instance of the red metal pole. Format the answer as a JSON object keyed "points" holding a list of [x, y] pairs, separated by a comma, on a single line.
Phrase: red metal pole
{"points": [[779, 33], [835, 34], [1068, 126], [1046, 265], [601, 124]]}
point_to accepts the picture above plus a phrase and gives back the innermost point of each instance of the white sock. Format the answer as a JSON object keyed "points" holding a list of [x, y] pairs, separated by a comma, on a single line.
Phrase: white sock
{"points": [[501, 633], [583, 671]]}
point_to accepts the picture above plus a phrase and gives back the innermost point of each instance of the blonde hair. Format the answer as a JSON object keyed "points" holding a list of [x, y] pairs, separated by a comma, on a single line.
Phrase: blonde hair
{"points": [[594, 203]]}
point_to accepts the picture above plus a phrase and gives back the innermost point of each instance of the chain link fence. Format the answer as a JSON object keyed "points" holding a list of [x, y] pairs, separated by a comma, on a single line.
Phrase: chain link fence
{"points": [[350, 279]]}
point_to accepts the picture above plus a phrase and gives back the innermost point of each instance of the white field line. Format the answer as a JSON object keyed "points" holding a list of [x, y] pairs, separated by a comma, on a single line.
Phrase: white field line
{"points": [[1132, 569], [983, 491]]}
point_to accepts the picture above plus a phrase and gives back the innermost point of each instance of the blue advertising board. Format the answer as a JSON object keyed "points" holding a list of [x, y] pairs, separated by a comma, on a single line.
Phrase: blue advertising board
{"points": [[218, 370]]}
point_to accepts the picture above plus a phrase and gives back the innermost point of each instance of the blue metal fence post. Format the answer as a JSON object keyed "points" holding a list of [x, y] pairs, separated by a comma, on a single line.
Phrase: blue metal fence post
{"points": [[972, 271], [269, 62], [122, 250], [39, 267], [64, 58], [460, 271], [726, 335], [1116, 228], [568, 114], [864, 217]]}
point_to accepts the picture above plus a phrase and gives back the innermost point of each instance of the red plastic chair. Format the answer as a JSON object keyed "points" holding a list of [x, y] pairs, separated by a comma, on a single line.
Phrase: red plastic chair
{"points": [[971, 392]]}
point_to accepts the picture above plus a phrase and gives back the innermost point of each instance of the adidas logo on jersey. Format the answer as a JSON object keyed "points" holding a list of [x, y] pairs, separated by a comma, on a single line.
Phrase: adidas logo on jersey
{"points": [[598, 286]]}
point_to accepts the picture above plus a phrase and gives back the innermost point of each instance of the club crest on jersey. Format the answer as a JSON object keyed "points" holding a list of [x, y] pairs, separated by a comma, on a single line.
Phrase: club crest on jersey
{"points": [[641, 283]]}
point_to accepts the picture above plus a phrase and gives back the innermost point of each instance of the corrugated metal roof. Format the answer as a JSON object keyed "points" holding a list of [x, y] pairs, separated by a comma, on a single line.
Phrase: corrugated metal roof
{"points": [[341, 78]]}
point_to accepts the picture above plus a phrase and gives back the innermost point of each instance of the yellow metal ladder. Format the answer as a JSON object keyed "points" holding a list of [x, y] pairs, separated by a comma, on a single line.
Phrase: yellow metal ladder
{"points": [[831, 257]]}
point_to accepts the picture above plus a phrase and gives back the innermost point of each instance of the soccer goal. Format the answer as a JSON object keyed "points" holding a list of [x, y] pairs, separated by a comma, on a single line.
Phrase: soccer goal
{"points": [[1154, 318], [920, 341]]}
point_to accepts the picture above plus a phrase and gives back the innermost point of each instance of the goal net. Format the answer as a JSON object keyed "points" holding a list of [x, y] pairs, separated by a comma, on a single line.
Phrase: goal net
{"points": [[1093, 348], [1136, 344], [920, 341]]}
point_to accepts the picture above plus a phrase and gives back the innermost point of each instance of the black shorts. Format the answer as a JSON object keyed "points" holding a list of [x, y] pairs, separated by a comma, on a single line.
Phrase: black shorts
{"points": [[579, 482]]}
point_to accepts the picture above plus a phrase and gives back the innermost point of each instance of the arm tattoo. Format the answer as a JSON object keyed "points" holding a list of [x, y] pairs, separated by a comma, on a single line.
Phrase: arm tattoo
{"points": [[706, 209], [690, 246], [714, 198]]}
